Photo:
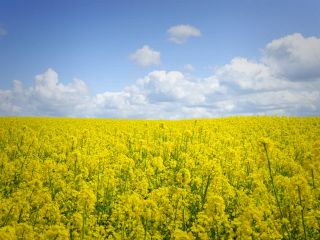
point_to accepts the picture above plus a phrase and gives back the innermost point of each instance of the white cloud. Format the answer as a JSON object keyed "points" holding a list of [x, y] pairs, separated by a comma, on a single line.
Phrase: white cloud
{"points": [[145, 56], [249, 75], [294, 57], [3, 31], [180, 33], [46, 97], [241, 87], [294, 102], [188, 67], [174, 86]]}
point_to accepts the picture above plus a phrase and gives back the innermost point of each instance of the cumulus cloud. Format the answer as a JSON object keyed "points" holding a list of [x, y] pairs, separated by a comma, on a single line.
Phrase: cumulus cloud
{"points": [[47, 96], [241, 87], [145, 56], [174, 86], [294, 57], [249, 75], [3, 31], [181, 33]]}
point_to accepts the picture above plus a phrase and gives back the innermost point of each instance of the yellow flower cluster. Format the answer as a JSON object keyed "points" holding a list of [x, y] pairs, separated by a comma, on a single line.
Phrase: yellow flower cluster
{"points": [[231, 178]]}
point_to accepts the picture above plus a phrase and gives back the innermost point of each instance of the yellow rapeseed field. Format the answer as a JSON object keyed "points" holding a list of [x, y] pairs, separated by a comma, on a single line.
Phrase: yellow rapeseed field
{"points": [[230, 178]]}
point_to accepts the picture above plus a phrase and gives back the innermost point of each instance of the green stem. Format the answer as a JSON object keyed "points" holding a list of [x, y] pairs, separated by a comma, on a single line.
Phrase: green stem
{"points": [[302, 215], [183, 220], [84, 216], [271, 179], [273, 186], [145, 229], [6, 220], [205, 191]]}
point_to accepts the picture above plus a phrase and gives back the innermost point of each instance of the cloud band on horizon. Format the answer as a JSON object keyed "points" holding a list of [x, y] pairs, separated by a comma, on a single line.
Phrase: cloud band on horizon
{"points": [[285, 81]]}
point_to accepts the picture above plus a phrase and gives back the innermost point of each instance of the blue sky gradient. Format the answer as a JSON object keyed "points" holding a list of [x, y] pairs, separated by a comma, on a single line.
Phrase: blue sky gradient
{"points": [[93, 39]]}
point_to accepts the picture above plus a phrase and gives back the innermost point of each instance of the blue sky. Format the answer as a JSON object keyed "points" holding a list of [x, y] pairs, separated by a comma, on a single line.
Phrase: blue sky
{"points": [[97, 42]]}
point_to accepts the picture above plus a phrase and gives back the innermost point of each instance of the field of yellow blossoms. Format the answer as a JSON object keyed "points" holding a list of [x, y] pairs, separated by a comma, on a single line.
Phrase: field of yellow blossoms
{"points": [[229, 178]]}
